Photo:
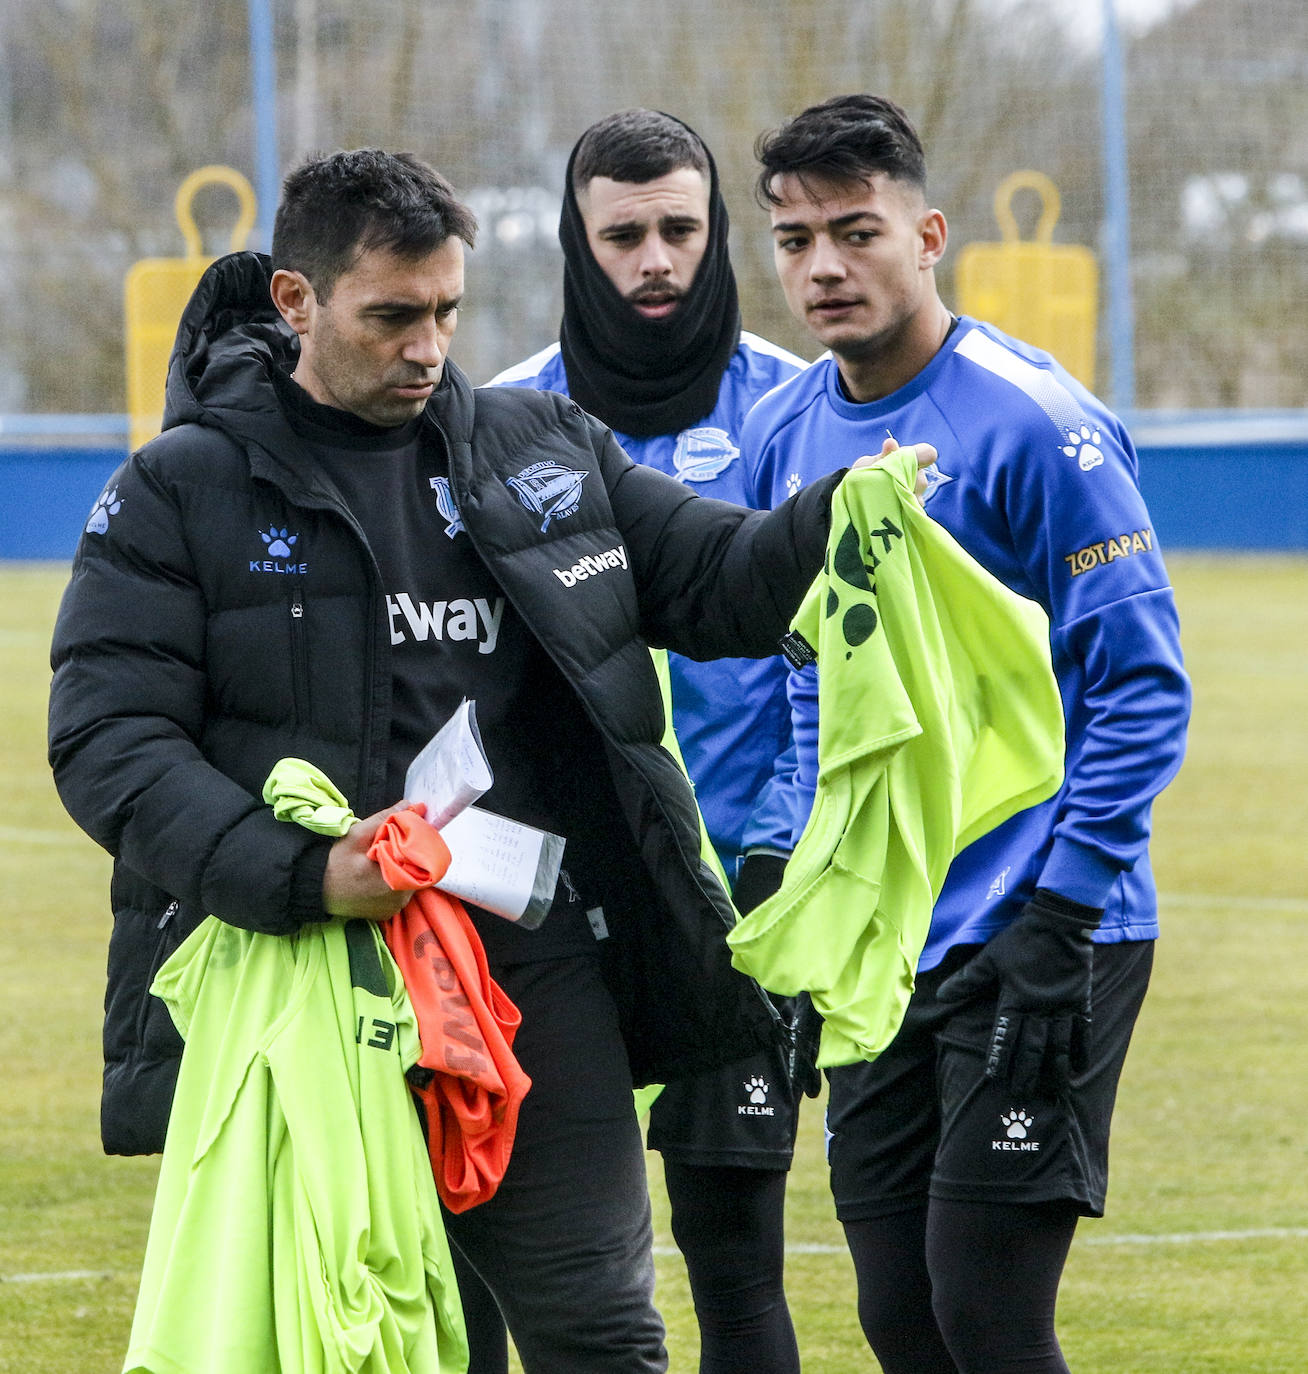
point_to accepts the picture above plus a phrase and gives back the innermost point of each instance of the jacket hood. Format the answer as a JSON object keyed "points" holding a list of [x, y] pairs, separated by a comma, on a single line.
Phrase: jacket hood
{"points": [[228, 341], [232, 338]]}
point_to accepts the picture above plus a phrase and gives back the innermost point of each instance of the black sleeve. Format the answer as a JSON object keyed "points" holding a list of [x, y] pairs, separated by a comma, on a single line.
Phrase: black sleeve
{"points": [[127, 708], [714, 579]]}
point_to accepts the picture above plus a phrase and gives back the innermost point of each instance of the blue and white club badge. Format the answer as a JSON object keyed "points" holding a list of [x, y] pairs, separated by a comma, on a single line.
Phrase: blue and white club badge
{"points": [[935, 479], [445, 504], [548, 489], [703, 454]]}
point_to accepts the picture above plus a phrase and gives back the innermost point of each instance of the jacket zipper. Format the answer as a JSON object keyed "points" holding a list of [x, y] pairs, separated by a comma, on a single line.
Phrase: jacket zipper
{"points": [[299, 657], [162, 942], [695, 871]]}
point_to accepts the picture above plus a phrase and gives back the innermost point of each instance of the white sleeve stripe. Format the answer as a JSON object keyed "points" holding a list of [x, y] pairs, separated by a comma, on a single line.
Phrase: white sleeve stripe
{"points": [[771, 350], [1044, 389], [529, 367]]}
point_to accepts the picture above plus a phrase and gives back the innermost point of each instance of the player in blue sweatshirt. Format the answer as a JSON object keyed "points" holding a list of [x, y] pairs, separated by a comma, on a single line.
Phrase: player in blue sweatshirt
{"points": [[962, 1158], [651, 344]]}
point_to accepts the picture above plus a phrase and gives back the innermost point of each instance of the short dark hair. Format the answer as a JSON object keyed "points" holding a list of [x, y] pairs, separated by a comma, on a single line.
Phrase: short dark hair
{"points": [[846, 138], [335, 207], [636, 145]]}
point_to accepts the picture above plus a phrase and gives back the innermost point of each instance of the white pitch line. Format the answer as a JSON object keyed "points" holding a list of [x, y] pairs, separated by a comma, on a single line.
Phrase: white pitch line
{"points": [[66, 1276], [819, 1248], [1173, 1238], [1200, 1237]]}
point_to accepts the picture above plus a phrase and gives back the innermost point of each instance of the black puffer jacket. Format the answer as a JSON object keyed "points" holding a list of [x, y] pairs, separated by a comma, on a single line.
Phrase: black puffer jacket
{"points": [[225, 611]]}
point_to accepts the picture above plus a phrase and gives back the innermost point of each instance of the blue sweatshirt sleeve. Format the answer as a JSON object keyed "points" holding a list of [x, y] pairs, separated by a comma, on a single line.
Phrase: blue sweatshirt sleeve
{"points": [[787, 798], [802, 692], [774, 823], [1086, 547]]}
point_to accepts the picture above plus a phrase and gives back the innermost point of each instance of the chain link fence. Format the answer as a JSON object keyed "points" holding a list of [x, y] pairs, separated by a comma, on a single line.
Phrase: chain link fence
{"points": [[105, 105]]}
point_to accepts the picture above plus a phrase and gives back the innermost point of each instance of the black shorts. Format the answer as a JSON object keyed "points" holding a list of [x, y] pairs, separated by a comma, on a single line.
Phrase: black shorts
{"points": [[743, 1115], [923, 1121]]}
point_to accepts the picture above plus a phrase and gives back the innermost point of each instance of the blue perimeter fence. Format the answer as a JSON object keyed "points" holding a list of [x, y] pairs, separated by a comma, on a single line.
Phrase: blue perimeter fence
{"points": [[1230, 480]]}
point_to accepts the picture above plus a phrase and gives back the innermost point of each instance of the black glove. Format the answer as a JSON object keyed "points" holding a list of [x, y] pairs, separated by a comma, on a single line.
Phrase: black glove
{"points": [[759, 877], [805, 1032], [1039, 971]]}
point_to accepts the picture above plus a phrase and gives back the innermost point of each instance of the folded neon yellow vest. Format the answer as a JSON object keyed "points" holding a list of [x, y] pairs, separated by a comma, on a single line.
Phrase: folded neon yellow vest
{"points": [[938, 718], [296, 1225]]}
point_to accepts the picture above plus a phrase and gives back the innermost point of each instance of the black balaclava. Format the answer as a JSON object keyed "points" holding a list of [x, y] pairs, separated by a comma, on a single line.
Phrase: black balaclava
{"points": [[645, 377]]}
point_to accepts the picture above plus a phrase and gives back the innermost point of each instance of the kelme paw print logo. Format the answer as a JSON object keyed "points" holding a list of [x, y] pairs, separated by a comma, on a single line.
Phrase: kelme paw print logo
{"points": [[1083, 445], [1016, 1123], [107, 505], [757, 1090], [279, 541], [793, 484]]}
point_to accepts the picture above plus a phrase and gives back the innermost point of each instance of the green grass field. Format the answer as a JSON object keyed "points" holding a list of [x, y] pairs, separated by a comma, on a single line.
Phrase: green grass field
{"points": [[1202, 1261]]}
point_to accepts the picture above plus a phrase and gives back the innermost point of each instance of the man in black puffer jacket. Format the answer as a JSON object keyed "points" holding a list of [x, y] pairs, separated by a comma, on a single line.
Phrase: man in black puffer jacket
{"points": [[336, 539]]}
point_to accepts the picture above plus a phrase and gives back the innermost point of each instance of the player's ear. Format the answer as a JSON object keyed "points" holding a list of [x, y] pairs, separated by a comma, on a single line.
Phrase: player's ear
{"points": [[294, 298], [934, 233]]}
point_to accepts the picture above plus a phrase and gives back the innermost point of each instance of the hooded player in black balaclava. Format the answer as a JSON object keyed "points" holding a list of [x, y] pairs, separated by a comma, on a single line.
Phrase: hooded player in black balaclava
{"points": [[642, 376]]}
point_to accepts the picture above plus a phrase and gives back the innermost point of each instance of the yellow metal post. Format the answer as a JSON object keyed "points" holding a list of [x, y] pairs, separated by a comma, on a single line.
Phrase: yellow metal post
{"points": [[155, 292], [1041, 292]]}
